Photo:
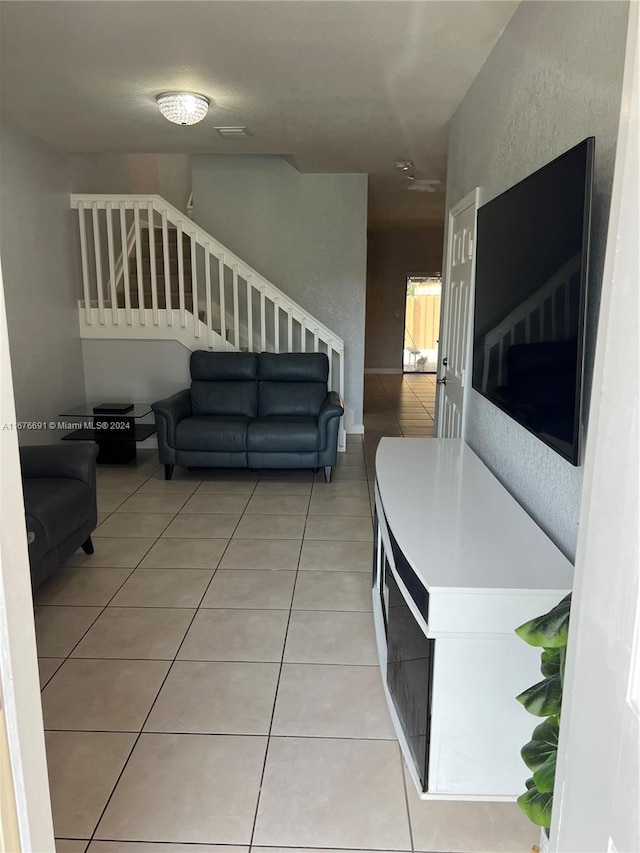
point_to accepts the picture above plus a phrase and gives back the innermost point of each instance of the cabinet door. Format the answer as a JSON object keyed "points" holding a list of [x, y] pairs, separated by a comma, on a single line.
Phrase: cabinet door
{"points": [[409, 675]]}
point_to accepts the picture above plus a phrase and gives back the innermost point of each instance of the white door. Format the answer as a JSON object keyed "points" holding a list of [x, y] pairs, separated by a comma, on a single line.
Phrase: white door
{"points": [[456, 321]]}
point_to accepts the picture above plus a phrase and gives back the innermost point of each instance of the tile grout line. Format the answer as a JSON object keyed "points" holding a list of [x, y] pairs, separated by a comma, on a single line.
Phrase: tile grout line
{"points": [[164, 680], [275, 698]]}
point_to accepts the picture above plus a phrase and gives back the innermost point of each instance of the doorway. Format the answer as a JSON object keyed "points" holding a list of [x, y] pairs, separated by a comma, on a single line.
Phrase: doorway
{"points": [[421, 324]]}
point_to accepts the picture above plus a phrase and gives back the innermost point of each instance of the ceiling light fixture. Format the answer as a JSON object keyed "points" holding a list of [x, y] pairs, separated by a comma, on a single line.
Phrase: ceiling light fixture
{"points": [[183, 107]]}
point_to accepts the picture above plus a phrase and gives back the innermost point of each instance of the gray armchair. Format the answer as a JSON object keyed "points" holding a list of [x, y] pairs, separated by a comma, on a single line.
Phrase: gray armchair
{"points": [[59, 489], [251, 410]]}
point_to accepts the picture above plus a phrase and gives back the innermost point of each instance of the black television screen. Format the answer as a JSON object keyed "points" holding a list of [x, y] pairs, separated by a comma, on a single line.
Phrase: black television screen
{"points": [[530, 293]]}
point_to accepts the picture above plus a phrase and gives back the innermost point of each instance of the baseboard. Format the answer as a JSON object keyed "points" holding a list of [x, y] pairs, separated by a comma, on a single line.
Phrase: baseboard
{"points": [[383, 370], [356, 429]]}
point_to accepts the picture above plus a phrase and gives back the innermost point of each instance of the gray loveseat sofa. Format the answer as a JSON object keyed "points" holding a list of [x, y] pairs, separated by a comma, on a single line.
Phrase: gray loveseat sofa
{"points": [[59, 490], [252, 410]]}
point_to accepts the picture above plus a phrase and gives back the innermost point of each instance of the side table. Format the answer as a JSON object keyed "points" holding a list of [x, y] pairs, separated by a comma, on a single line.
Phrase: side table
{"points": [[115, 434]]}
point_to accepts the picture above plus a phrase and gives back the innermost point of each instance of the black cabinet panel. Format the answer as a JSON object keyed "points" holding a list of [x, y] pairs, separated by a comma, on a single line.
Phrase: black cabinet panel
{"points": [[416, 590], [409, 674]]}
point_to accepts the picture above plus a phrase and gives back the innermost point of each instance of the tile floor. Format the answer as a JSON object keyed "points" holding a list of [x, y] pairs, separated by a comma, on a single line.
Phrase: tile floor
{"points": [[209, 674]]}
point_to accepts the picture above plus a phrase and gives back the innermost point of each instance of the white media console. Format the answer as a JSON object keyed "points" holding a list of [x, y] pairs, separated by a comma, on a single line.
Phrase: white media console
{"points": [[458, 565]]}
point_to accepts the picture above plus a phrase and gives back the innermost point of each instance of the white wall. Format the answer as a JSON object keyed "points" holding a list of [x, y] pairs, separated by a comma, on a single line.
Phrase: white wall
{"points": [[597, 790], [40, 280], [392, 255], [304, 233], [553, 78], [20, 686]]}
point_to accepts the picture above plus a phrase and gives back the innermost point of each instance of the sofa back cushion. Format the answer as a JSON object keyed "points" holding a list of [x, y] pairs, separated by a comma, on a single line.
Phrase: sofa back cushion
{"points": [[214, 366], [224, 398], [293, 384], [298, 399], [224, 383], [293, 367]]}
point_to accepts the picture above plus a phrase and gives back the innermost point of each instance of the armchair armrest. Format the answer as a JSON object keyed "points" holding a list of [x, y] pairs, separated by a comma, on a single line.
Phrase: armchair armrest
{"points": [[75, 462], [331, 408], [169, 412]]}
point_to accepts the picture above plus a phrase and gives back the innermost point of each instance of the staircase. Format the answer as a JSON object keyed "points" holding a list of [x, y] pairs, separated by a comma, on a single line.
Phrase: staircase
{"points": [[149, 272]]}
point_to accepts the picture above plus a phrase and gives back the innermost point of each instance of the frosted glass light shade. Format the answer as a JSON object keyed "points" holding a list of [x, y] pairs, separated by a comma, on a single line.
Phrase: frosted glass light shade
{"points": [[183, 107]]}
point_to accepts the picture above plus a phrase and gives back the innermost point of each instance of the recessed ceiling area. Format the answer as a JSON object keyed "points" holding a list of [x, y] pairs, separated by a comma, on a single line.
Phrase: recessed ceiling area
{"points": [[333, 86]]}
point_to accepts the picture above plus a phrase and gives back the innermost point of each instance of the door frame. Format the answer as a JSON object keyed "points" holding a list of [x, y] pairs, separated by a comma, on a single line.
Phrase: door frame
{"points": [[472, 198], [404, 318]]}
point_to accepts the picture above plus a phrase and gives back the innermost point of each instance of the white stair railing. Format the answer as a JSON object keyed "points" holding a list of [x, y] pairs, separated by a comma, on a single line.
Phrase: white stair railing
{"points": [[149, 271]]}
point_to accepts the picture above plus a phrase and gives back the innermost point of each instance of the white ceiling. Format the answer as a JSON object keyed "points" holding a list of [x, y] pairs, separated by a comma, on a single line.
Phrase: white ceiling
{"points": [[336, 86]]}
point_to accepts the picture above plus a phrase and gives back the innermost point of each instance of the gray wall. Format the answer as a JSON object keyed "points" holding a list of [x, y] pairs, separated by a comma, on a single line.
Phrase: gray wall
{"points": [[40, 280], [392, 255], [168, 175], [553, 78], [305, 233], [143, 371]]}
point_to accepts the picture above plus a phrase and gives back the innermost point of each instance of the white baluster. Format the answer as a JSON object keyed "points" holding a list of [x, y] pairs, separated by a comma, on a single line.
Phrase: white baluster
{"points": [[125, 264], [115, 316], [152, 263], [194, 286], [315, 339], [207, 285], [276, 324], [303, 335], [223, 307], [85, 265], [167, 269], [289, 331], [330, 357], [250, 312], [236, 310], [136, 220], [183, 315], [263, 321], [98, 260]]}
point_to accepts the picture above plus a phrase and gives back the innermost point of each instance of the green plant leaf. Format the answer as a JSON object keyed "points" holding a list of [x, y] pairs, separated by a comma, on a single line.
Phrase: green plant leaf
{"points": [[543, 743], [544, 698], [545, 775], [549, 631], [536, 806], [530, 783], [550, 662]]}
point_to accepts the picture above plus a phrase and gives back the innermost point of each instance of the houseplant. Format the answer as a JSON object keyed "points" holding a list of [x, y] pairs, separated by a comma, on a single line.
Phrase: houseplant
{"points": [[544, 699]]}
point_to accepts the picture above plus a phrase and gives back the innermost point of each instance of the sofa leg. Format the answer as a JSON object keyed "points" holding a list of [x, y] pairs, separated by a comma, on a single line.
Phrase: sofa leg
{"points": [[168, 471], [87, 546], [315, 470], [327, 473]]}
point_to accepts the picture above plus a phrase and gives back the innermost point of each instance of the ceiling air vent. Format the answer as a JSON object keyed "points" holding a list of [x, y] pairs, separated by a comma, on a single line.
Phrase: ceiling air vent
{"points": [[233, 132]]}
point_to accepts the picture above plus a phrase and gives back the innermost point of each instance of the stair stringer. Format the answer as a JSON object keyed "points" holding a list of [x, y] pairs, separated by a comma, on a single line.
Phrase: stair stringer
{"points": [[192, 334]]}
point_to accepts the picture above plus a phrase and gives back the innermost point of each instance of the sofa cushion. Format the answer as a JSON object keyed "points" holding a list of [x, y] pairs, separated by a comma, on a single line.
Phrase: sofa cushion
{"points": [[224, 398], [221, 433], [54, 508], [293, 367], [210, 366], [283, 434], [293, 399]]}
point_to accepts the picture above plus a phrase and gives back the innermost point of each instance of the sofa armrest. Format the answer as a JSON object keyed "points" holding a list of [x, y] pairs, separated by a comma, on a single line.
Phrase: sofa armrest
{"points": [[169, 413], [331, 408], [73, 462]]}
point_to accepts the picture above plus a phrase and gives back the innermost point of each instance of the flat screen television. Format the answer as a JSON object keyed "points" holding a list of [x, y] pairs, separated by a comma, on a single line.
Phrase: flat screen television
{"points": [[532, 249]]}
